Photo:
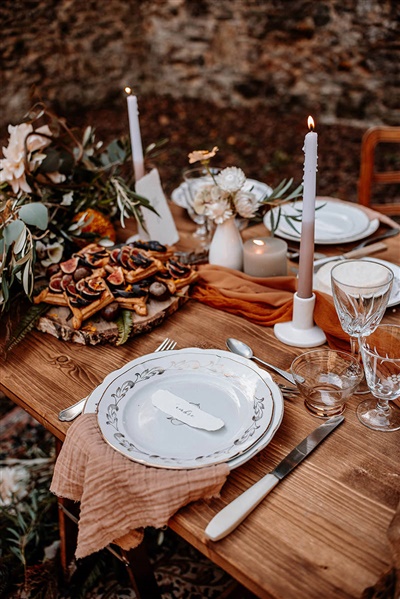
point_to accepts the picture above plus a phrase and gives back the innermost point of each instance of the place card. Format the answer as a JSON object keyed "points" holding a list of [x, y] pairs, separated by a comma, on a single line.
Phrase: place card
{"points": [[186, 412], [161, 227]]}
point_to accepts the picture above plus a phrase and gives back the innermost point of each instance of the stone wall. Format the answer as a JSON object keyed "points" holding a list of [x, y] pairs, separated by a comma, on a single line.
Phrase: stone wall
{"points": [[336, 59]]}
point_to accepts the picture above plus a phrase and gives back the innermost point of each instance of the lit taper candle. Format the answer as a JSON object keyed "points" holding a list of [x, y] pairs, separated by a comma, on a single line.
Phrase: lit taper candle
{"points": [[134, 130], [306, 264]]}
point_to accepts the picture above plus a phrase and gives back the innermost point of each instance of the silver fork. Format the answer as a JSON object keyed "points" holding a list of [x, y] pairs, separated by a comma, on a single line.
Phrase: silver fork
{"points": [[73, 411]]}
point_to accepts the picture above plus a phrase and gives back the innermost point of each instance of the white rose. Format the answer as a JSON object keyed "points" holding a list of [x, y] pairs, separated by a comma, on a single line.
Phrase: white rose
{"points": [[231, 179], [246, 204]]}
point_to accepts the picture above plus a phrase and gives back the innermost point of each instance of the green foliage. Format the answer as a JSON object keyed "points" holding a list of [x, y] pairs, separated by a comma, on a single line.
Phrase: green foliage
{"points": [[125, 325], [64, 172], [26, 324], [277, 198]]}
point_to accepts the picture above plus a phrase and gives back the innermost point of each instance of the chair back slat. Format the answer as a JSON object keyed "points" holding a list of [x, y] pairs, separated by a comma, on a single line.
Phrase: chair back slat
{"points": [[368, 173]]}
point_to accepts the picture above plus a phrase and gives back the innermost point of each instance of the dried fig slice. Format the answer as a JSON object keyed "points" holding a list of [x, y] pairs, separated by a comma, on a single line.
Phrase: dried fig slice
{"points": [[86, 292], [71, 289], [55, 285], [70, 266], [116, 278]]}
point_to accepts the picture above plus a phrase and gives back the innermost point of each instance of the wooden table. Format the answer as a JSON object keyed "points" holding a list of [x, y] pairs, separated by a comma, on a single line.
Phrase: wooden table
{"points": [[322, 532]]}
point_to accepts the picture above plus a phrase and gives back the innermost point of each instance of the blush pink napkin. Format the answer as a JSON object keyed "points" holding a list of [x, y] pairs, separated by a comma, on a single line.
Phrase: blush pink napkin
{"points": [[120, 497]]}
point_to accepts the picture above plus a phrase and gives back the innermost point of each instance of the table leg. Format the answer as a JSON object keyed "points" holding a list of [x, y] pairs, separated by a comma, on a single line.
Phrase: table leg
{"points": [[141, 573], [67, 520]]}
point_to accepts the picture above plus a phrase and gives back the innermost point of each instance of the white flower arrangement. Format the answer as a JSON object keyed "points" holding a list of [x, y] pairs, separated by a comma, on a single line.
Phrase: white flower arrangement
{"points": [[227, 198]]}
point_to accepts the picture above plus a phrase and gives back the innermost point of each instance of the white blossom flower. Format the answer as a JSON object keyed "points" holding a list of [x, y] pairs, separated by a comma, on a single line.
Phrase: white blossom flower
{"points": [[219, 211], [49, 253], [231, 179], [13, 164], [246, 203], [13, 481]]}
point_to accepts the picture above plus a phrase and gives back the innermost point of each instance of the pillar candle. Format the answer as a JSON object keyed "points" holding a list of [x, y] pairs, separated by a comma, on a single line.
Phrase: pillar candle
{"points": [[306, 263], [265, 257], [134, 130]]}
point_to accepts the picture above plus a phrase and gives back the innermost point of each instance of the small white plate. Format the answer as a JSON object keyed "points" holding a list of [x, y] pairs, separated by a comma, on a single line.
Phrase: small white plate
{"points": [[322, 281], [334, 222], [227, 386], [179, 195]]}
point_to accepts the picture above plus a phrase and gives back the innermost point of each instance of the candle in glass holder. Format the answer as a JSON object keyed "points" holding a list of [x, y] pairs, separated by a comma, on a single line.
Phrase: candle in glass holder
{"points": [[265, 257]]}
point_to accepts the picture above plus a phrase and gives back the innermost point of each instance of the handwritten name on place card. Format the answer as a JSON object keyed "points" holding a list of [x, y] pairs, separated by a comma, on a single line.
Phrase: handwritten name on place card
{"points": [[182, 410]]}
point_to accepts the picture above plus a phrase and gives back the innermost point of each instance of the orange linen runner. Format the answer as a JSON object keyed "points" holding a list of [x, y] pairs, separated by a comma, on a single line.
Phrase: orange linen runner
{"points": [[120, 497], [264, 301]]}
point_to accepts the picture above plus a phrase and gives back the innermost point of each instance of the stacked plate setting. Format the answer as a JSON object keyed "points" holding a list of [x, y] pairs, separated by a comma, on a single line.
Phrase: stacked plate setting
{"points": [[335, 221], [222, 384]]}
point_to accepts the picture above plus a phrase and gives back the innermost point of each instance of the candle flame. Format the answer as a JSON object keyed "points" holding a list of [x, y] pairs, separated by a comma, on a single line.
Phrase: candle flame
{"points": [[258, 241], [128, 91], [310, 123]]}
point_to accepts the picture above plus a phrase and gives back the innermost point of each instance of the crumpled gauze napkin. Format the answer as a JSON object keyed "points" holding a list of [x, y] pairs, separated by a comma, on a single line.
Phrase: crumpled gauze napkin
{"points": [[120, 497]]}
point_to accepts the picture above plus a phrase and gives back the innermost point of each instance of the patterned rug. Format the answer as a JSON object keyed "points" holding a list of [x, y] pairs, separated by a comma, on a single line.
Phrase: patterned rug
{"points": [[28, 533]]}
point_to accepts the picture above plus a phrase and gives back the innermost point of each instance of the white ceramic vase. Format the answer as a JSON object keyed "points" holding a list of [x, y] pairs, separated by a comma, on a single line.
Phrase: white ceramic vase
{"points": [[226, 248]]}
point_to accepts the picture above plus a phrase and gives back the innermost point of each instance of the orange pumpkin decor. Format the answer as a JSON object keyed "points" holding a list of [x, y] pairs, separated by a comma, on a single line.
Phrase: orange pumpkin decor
{"points": [[97, 223]]}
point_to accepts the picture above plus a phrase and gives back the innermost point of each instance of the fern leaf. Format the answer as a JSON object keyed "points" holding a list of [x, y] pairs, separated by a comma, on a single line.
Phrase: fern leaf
{"points": [[26, 324], [125, 325]]}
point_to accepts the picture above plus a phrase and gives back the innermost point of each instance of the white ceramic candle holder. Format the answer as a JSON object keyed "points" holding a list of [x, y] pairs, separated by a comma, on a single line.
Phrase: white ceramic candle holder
{"points": [[301, 331]]}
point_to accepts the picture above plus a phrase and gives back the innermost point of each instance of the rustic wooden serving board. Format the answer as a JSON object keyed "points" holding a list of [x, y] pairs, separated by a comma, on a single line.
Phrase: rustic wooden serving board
{"points": [[58, 322]]}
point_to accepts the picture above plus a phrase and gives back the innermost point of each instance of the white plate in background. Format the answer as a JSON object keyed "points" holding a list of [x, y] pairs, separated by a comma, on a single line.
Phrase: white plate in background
{"points": [[179, 195], [334, 222]]}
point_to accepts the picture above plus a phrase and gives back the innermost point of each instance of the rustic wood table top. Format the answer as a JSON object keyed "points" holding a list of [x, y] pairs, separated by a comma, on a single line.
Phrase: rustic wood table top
{"points": [[322, 531]]}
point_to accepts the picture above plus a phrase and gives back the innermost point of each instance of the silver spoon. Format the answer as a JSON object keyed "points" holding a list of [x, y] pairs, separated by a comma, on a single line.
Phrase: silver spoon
{"points": [[240, 348]]}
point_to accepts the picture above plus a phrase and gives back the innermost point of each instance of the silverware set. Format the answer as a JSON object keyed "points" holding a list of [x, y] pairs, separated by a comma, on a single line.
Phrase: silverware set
{"points": [[234, 345], [294, 254]]}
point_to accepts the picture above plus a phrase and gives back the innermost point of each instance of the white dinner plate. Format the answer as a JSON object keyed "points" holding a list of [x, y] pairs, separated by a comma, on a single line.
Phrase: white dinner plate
{"points": [[334, 222], [179, 195], [227, 386], [322, 280]]}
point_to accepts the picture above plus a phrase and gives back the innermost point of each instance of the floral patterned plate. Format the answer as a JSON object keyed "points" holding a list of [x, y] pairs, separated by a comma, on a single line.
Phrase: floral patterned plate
{"points": [[226, 386]]}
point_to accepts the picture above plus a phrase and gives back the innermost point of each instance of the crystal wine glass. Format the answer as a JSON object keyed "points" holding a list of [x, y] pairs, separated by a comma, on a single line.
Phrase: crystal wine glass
{"points": [[381, 358], [195, 179], [361, 291]]}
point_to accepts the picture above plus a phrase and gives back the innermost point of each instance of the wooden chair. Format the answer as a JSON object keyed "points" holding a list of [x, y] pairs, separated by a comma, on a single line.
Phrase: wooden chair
{"points": [[368, 175], [136, 560]]}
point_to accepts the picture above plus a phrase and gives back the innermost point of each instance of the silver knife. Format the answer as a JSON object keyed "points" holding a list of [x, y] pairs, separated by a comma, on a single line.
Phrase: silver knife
{"points": [[235, 512], [364, 251]]}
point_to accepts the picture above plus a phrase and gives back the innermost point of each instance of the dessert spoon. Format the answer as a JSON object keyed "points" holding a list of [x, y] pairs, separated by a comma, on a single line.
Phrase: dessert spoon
{"points": [[242, 349]]}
